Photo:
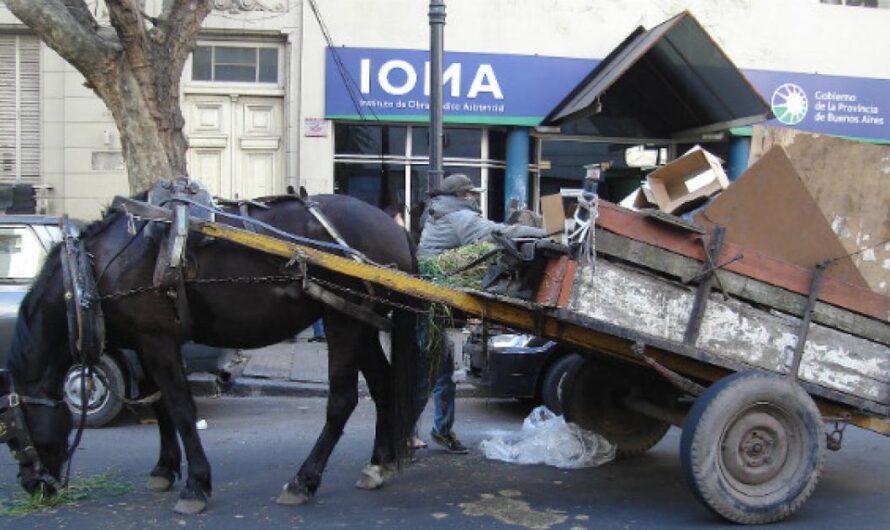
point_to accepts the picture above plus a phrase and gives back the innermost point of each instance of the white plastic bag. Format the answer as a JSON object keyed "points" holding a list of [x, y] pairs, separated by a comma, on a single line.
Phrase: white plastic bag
{"points": [[547, 439]]}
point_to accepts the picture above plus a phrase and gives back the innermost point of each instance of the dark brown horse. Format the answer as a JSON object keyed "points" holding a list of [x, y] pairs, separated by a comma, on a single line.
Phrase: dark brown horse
{"points": [[223, 312]]}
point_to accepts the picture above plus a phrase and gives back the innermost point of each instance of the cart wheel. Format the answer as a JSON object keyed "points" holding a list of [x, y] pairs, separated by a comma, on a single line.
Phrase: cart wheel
{"points": [[753, 447], [592, 397]]}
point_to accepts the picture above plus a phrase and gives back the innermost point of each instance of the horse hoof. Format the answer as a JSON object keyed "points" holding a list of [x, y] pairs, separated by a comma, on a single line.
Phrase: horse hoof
{"points": [[374, 476], [190, 506], [159, 484], [289, 498]]}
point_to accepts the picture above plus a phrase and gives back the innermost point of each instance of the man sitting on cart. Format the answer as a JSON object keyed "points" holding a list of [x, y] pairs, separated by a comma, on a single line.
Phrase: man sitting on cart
{"points": [[453, 219]]}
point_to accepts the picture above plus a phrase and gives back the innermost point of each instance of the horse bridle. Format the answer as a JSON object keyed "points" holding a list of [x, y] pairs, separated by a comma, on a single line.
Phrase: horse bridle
{"points": [[86, 335], [14, 428]]}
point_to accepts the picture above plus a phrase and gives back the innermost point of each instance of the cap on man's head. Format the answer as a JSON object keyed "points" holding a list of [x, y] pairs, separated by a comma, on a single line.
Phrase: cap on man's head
{"points": [[456, 183]]}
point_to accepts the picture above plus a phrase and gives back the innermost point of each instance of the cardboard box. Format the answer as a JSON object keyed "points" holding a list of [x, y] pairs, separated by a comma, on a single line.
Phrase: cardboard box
{"points": [[554, 215], [691, 178], [639, 199], [770, 209]]}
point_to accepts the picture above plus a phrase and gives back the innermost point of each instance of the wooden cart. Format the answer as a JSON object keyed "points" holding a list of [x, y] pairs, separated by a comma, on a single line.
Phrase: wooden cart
{"points": [[752, 371]]}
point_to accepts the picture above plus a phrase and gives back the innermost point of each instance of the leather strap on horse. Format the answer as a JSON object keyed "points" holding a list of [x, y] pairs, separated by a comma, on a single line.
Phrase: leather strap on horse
{"points": [[316, 212], [86, 323]]}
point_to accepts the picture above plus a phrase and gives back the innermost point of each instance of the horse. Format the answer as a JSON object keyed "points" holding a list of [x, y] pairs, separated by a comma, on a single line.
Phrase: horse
{"points": [[227, 311]]}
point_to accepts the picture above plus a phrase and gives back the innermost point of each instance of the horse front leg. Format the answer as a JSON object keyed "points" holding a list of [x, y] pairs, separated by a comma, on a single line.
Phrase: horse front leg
{"points": [[162, 360], [167, 470], [342, 399]]}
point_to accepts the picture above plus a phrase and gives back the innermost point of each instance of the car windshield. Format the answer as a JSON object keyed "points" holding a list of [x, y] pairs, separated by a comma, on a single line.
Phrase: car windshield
{"points": [[21, 253]]}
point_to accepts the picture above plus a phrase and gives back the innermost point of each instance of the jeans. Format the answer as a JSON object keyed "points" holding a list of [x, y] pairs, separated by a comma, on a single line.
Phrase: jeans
{"points": [[444, 388], [318, 328], [443, 393]]}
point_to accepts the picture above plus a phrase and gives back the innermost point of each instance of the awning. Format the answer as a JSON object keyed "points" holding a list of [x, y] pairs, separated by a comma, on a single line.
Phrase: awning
{"points": [[672, 81]]}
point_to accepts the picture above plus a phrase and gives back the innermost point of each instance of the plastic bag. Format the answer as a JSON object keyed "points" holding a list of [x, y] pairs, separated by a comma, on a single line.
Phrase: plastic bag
{"points": [[547, 439]]}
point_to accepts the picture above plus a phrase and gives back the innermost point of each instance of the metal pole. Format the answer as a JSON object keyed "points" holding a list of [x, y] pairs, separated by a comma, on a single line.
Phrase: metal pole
{"points": [[437, 135]]}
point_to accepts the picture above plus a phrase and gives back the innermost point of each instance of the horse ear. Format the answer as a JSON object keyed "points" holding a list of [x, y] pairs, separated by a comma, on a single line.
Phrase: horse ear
{"points": [[303, 193]]}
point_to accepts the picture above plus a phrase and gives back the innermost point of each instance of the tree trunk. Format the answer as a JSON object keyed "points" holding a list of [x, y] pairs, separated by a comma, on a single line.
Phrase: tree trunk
{"points": [[152, 140]]}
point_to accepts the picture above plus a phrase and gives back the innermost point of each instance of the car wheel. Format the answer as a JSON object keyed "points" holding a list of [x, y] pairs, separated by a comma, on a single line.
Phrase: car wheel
{"points": [[553, 380], [103, 389]]}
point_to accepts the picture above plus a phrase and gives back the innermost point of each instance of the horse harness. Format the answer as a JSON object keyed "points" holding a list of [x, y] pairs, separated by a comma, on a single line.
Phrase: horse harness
{"points": [[176, 202]]}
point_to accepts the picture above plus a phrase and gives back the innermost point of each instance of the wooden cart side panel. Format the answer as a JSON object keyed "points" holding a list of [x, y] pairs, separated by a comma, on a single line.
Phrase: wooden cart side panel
{"points": [[743, 287], [755, 265], [733, 330]]}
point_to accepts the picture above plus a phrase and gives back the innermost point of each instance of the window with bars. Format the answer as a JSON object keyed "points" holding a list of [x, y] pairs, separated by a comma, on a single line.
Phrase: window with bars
{"points": [[19, 109]]}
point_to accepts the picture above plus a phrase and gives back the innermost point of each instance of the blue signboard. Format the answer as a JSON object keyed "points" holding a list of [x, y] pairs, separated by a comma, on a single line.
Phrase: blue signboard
{"points": [[841, 106], [478, 88]]}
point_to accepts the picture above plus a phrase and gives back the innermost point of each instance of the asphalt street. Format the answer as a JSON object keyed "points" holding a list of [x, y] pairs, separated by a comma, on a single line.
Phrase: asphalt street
{"points": [[256, 443]]}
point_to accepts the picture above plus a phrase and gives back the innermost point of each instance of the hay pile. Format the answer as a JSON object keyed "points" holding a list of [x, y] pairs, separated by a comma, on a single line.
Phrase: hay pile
{"points": [[441, 268]]}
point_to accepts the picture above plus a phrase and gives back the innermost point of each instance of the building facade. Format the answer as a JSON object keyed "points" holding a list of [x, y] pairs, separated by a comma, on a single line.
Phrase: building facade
{"points": [[333, 96]]}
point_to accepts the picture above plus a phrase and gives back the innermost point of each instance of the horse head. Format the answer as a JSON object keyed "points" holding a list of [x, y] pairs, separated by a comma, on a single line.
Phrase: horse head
{"points": [[34, 421]]}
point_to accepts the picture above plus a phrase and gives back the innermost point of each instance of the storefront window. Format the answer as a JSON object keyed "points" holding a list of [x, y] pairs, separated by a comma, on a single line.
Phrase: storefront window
{"points": [[459, 142], [371, 139], [396, 174], [381, 185]]}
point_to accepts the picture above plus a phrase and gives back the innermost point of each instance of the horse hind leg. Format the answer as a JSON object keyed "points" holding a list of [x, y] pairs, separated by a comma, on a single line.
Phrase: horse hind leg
{"points": [[343, 345], [375, 368]]}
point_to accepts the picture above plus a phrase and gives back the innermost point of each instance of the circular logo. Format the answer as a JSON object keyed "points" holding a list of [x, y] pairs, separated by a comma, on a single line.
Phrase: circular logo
{"points": [[790, 104]]}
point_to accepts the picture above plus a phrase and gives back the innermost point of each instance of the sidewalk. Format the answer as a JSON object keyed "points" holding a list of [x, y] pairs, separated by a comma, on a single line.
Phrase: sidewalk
{"points": [[297, 368]]}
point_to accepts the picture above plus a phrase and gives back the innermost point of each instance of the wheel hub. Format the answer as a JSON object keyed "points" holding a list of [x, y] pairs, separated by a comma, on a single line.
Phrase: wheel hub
{"points": [[96, 392], [755, 448]]}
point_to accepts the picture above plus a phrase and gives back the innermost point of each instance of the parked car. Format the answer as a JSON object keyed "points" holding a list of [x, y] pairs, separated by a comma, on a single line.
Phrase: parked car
{"points": [[25, 241], [517, 365]]}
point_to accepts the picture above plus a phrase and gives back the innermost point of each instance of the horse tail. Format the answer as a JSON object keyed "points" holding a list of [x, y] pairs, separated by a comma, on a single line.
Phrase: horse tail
{"points": [[407, 383], [404, 387]]}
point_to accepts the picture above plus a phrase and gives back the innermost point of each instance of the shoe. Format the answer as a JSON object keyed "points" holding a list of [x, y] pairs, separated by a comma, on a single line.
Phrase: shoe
{"points": [[317, 339], [450, 443], [416, 443]]}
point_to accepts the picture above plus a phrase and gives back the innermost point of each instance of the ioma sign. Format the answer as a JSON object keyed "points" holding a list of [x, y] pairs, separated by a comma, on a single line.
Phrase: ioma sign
{"points": [[394, 85]]}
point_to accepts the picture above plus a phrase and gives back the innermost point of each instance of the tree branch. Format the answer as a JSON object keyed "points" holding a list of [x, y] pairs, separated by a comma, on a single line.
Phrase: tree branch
{"points": [[126, 18], [64, 27], [184, 23], [80, 11]]}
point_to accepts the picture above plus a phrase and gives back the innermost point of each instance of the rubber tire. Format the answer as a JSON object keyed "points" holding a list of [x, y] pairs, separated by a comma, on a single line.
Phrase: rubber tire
{"points": [[549, 388], [111, 405], [705, 432], [588, 400]]}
